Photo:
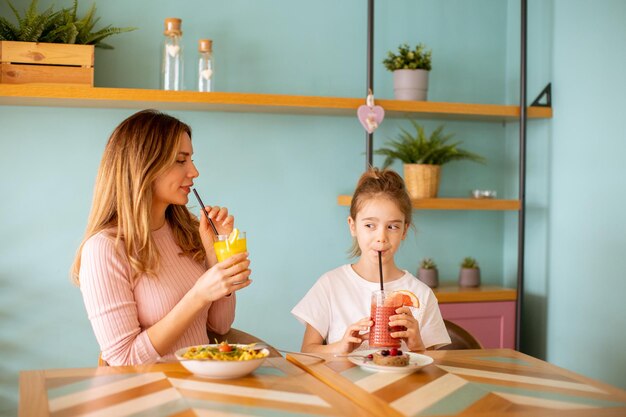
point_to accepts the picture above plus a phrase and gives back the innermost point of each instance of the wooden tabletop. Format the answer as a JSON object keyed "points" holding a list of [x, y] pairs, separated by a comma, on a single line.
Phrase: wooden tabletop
{"points": [[475, 383], [488, 382], [277, 388]]}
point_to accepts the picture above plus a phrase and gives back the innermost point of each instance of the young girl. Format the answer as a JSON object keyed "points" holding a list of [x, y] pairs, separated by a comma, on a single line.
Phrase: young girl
{"points": [[147, 269], [336, 310]]}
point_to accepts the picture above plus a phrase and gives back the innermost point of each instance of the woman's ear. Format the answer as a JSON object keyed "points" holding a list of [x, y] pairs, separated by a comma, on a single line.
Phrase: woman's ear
{"points": [[352, 226]]}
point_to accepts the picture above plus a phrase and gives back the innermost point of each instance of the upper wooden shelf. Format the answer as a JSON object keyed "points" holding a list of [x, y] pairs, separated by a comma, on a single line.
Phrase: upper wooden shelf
{"points": [[74, 96], [452, 203]]}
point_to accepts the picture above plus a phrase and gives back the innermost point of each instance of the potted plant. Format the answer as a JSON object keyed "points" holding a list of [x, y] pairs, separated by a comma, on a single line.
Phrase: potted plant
{"points": [[428, 272], [469, 275], [51, 46], [423, 156], [410, 69]]}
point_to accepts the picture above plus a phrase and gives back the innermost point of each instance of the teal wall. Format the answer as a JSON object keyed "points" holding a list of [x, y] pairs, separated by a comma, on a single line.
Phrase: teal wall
{"points": [[280, 174]]}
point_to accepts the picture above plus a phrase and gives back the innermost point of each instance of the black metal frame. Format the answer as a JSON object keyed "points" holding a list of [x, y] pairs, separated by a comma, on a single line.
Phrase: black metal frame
{"points": [[369, 137], [521, 224], [522, 145]]}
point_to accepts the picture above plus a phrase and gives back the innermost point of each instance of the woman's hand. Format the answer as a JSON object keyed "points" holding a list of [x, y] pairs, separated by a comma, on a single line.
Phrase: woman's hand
{"points": [[352, 339], [223, 278], [223, 223], [411, 335]]}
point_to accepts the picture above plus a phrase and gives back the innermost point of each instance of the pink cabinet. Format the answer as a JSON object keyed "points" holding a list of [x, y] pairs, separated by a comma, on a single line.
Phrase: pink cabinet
{"points": [[491, 322]]}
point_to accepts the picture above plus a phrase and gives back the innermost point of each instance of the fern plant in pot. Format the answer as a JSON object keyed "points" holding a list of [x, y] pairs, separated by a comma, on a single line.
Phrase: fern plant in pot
{"points": [[51, 46], [423, 157]]}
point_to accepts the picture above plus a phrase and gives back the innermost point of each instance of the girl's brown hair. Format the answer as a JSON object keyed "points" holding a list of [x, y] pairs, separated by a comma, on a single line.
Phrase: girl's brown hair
{"points": [[376, 183], [140, 149]]}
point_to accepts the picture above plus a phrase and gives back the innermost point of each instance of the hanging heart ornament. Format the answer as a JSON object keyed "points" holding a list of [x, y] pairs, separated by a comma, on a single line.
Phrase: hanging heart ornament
{"points": [[370, 115]]}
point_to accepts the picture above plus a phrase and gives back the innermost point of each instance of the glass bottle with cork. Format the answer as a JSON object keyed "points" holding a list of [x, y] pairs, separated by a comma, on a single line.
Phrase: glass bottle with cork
{"points": [[205, 65], [172, 55]]}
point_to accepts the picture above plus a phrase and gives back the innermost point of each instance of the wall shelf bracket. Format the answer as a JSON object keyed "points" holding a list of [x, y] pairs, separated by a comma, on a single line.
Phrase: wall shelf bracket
{"points": [[545, 93]]}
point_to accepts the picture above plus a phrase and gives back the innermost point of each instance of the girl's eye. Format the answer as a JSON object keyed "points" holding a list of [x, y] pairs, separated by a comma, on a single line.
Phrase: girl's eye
{"points": [[181, 162], [369, 226], [394, 227]]}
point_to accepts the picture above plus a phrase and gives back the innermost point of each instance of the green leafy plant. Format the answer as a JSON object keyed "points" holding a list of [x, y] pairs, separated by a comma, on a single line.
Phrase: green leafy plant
{"points": [[428, 263], [407, 58], [469, 263], [418, 148], [62, 26]]}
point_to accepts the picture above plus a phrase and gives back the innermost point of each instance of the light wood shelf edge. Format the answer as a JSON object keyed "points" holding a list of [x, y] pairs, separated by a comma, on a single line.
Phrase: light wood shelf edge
{"points": [[102, 97], [455, 294], [453, 203]]}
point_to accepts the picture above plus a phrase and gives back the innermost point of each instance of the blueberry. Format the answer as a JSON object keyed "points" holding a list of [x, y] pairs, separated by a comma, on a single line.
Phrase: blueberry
{"points": [[384, 352], [399, 352]]}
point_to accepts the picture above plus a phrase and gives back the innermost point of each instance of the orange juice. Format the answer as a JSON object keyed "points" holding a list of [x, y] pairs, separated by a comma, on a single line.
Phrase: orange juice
{"points": [[226, 247]]}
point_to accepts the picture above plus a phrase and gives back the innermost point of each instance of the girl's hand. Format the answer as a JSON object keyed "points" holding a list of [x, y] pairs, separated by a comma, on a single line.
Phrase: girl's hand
{"points": [[223, 278], [223, 223], [411, 335], [351, 339]]}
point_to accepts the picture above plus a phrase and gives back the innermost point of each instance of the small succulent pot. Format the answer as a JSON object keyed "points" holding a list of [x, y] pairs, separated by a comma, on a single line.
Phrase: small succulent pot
{"points": [[469, 277], [428, 272], [429, 277]]}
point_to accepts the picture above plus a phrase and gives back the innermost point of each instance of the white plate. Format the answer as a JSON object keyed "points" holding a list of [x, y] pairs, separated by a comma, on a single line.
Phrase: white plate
{"points": [[211, 368], [416, 362]]}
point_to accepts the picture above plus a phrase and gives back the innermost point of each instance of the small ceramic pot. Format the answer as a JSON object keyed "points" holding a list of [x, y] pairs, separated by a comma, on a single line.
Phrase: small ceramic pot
{"points": [[469, 277], [429, 277], [410, 84]]}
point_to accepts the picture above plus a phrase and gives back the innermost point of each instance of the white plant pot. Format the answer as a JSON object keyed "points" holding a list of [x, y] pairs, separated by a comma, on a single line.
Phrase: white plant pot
{"points": [[410, 84]]}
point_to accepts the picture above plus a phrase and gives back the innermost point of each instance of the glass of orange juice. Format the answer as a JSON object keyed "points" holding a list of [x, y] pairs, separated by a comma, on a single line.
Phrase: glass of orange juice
{"points": [[228, 245]]}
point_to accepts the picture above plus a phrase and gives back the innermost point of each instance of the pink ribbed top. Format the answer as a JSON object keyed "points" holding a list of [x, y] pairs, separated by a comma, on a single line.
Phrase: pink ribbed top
{"points": [[120, 312]]}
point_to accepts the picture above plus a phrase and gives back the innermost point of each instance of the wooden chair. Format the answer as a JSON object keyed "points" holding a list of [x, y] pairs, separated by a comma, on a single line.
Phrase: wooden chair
{"points": [[233, 336], [461, 338]]}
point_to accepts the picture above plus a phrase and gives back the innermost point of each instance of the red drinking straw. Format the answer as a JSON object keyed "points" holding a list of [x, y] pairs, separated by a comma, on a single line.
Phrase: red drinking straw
{"points": [[205, 213], [380, 269]]}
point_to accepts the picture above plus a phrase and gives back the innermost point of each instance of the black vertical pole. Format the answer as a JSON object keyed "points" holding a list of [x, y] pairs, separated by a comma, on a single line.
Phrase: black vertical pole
{"points": [[522, 180], [369, 137]]}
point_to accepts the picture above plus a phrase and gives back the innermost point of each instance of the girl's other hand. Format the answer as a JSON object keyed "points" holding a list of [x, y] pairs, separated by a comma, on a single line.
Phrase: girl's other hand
{"points": [[223, 278], [352, 339], [411, 336]]}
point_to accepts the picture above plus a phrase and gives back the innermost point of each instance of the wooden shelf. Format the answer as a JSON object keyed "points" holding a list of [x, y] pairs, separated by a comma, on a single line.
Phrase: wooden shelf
{"points": [[98, 97], [455, 294], [452, 203]]}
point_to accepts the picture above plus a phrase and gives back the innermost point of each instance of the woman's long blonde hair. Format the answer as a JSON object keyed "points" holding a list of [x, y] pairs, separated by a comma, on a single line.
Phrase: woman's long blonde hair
{"points": [[140, 149]]}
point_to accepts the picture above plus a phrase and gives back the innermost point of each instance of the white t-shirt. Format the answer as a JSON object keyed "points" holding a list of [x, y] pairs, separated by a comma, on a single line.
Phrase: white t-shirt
{"points": [[341, 298]]}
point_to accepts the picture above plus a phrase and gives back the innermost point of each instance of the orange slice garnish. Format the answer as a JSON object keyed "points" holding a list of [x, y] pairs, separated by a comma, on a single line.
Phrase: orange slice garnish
{"points": [[408, 298], [232, 237]]}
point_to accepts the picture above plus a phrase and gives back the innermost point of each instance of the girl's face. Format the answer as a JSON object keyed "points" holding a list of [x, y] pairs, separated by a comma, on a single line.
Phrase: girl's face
{"points": [[174, 185], [379, 227]]}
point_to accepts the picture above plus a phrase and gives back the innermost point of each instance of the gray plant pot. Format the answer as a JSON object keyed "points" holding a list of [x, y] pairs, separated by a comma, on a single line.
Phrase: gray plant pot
{"points": [[429, 277], [410, 84], [469, 277]]}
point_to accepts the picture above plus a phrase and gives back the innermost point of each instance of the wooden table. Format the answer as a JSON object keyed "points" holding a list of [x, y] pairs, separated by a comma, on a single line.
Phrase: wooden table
{"points": [[487, 383], [277, 388]]}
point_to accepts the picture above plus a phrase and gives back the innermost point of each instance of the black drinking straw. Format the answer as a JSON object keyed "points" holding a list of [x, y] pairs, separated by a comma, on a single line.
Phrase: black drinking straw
{"points": [[380, 269], [205, 213]]}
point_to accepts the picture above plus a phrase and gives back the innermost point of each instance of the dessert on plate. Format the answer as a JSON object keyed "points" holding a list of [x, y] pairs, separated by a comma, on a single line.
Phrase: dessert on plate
{"points": [[390, 357]]}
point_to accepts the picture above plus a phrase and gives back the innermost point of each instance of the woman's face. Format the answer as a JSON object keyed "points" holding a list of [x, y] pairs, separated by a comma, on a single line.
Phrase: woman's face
{"points": [[174, 185]]}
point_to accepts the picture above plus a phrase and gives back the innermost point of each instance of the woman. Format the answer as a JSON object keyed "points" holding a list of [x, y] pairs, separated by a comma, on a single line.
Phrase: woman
{"points": [[146, 268]]}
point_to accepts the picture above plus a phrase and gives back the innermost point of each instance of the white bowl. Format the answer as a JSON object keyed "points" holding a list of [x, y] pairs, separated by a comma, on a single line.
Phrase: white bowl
{"points": [[211, 368]]}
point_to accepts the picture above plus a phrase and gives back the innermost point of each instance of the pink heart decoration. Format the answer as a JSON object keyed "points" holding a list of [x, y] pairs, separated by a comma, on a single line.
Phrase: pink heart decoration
{"points": [[370, 117]]}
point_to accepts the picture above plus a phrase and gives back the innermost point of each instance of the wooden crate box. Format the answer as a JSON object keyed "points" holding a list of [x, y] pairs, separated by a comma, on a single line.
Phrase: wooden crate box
{"points": [[46, 63]]}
